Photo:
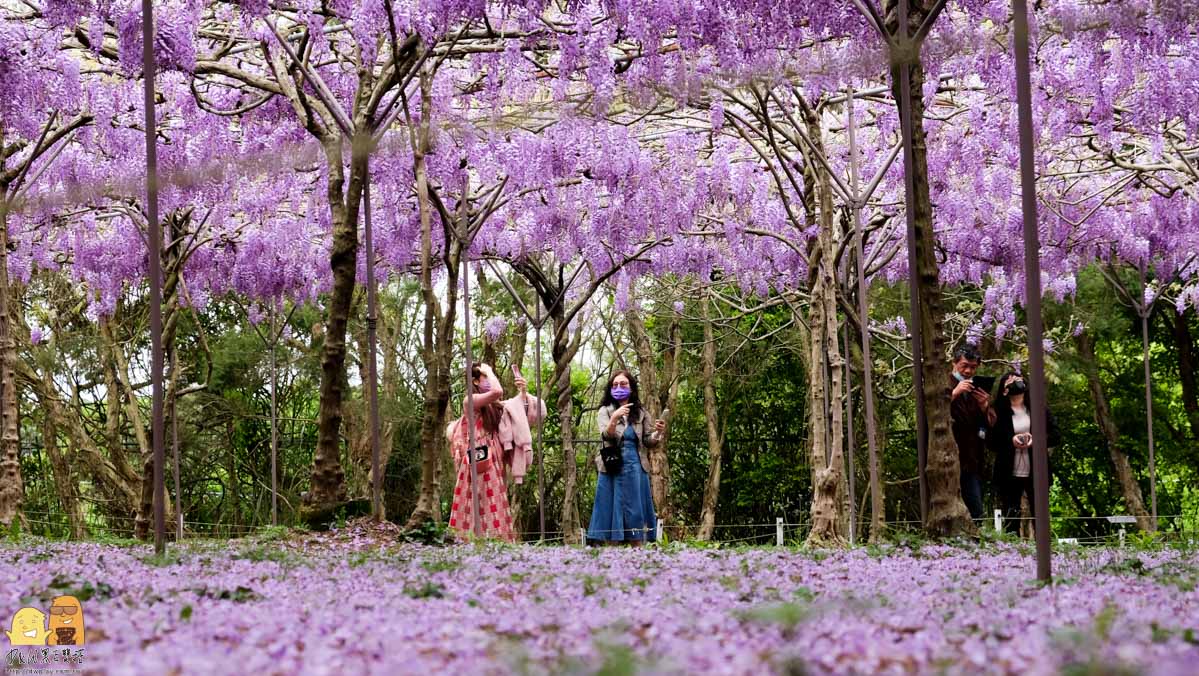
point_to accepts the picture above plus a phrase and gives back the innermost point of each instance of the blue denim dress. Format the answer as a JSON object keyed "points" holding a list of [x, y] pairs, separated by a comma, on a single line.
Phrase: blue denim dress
{"points": [[624, 504]]}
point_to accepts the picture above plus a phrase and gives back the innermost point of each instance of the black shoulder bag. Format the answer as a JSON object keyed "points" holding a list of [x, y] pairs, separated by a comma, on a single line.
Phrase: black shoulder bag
{"points": [[612, 457]]}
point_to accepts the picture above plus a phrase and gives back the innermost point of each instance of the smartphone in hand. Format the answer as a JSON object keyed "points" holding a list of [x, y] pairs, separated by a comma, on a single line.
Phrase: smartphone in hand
{"points": [[515, 371]]}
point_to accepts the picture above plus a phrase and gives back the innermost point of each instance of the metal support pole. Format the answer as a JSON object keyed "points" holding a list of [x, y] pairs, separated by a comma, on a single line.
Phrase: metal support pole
{"points": [[1144, 312], [175, 440], [1032, 291], [876, 499], [476, 515], [274, 420], [540, 423], [149, 70], [849, 447], [372, 348], [909, 184]]}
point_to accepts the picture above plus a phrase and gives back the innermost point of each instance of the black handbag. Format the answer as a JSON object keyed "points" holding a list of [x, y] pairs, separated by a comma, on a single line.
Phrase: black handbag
{"points": [[612, 458]]}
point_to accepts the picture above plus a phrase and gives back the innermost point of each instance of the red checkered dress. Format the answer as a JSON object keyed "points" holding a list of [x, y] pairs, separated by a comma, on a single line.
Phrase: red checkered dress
{"points": [[493, 499]]}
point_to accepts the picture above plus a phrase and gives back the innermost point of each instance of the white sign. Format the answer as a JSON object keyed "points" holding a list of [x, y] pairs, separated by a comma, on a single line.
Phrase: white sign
{"points": [[1121, 519]]}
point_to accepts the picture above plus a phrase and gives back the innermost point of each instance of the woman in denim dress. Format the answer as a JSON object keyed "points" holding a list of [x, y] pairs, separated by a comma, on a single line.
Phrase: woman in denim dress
{"points": [[624, 504]]}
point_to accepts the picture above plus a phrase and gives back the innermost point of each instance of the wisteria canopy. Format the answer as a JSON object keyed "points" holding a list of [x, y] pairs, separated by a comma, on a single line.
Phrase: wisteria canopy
{"points": [[601, 126]]}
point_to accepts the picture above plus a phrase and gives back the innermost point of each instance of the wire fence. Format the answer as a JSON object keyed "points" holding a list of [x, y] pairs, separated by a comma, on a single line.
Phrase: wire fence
{"points": [[1176, 529], [101, 517]]}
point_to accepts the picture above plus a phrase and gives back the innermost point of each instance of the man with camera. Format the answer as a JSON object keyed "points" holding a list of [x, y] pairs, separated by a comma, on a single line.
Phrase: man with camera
{"points": [[969, 404]]}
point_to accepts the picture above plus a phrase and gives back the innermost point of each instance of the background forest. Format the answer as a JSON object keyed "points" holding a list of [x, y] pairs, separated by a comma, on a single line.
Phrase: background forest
{"points": [[759, 383]]}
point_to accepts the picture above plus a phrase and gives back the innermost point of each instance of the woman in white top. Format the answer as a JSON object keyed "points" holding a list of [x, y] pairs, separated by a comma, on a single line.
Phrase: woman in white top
{"points": [[1010, 439]]}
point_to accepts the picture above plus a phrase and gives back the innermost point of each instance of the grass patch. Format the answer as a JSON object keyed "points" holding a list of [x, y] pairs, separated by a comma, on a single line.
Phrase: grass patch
{"points": [[428, 590], [260, 553], [239, 594], [593, 583], [441, 565]]}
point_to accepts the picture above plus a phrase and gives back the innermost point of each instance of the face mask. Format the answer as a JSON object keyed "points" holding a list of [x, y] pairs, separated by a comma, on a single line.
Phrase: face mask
{"points": [[484, 385], [620, 393], [959, 376]]}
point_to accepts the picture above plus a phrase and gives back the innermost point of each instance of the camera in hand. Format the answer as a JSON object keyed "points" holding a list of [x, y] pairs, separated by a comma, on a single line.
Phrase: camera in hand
{"points": [[984, 383], [480, 453]]}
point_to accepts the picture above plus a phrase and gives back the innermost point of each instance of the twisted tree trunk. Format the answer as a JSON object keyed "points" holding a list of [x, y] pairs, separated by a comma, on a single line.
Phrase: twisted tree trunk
{"points": [[564, 349], [659, 390], [828, 367], [116, 480], [65, 483], [437, 338], [707, 515], [1129, 488], [327, 482]]}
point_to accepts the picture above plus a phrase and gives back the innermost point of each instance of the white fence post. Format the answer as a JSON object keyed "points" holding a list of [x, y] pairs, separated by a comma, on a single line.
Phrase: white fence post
{"points": [[998, 520], [658, 534], [1122, 519], [778, 531]]}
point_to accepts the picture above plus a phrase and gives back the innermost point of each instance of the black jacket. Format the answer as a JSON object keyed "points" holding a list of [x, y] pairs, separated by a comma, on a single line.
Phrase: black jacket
{"points": [[999, 437]]}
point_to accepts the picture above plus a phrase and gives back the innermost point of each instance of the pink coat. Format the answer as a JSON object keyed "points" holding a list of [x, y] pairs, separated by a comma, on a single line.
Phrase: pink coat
{"points": [[516, 436]]}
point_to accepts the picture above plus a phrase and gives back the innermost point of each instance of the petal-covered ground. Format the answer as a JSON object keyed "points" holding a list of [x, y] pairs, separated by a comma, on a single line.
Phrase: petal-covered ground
{"points": [[358, 601]]}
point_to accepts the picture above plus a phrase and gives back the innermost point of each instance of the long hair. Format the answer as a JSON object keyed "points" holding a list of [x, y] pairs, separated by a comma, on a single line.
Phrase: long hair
{"points": [[634, 394], [1003, 402], [491, 413]]}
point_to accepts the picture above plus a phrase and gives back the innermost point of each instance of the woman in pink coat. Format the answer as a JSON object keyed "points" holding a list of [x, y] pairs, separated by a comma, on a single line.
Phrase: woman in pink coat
{"points": [[503, 444]]}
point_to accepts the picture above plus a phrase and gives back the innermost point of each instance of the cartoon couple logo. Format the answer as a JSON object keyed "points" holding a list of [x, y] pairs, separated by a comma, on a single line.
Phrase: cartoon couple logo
{"points": [[28, 626]]}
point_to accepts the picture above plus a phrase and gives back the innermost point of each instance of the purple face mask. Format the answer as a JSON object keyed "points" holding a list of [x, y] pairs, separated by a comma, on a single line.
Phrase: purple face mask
{"points": [[484, 385], [620, 393]]}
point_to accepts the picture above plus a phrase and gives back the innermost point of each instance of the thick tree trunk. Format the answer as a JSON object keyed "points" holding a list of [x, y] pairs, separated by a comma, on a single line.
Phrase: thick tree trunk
{"points": [[12, 488], [828, 368], [327, 483], [947, 513], [1131, 490], [707, 515]]}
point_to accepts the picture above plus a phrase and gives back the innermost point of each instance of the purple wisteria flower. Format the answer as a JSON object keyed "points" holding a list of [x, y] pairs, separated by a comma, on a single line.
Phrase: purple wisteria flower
{"points": [[495, 327]]}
